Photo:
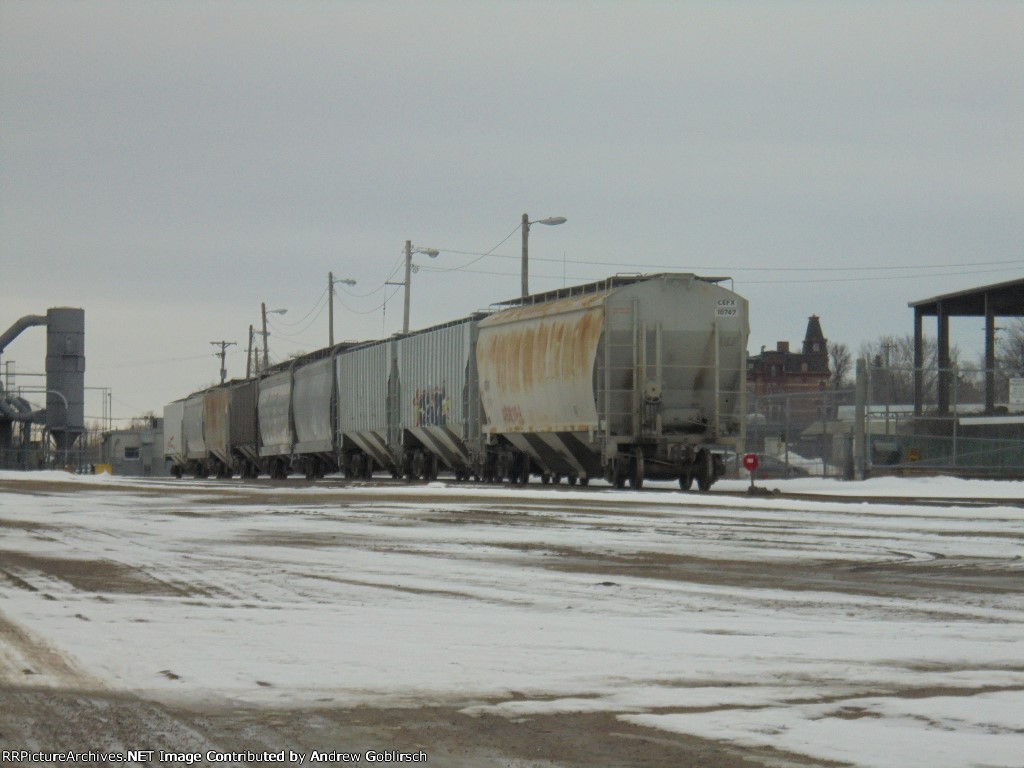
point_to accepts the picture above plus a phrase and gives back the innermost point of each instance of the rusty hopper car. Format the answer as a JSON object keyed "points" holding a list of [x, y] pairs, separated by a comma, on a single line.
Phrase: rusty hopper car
{"points": [[628, 378], [229, 428], [217, 432]]}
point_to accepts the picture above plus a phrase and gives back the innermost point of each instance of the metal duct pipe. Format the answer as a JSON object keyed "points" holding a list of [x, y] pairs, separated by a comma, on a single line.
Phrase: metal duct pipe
{"points": [[17, 409], [20, 325]]}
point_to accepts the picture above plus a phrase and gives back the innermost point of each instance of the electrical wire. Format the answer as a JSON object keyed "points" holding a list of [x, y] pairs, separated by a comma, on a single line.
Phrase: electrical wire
{"points": [[374, 309], [591, 263], [479, 256], [323, 305], [301, 319], [745, 281], [382, 286]]}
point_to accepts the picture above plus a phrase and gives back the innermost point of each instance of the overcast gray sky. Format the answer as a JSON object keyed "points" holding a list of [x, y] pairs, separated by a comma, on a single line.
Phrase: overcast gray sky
{"points": [[168, 166]]}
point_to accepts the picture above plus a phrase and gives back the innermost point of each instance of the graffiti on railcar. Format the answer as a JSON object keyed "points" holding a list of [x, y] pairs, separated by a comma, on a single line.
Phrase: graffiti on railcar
{"points": [[432, 407]]}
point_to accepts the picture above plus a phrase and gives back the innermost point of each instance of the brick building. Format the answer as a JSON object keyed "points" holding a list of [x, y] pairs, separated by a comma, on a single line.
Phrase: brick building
{"points": [[780, 378]]}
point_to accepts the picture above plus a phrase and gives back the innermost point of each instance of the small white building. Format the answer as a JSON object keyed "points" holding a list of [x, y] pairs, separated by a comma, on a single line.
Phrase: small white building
{"points": [[136, 451]]}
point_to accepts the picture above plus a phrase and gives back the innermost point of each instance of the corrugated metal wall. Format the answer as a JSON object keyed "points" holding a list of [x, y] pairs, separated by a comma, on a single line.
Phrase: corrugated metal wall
{"points": [[192, 427], [274, 411], [243, 415], [313, 387], [362, 376], [217, 425], [432, 368]]}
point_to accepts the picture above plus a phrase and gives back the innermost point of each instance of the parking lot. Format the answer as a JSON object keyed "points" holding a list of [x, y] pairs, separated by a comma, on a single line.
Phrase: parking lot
{"points": [[511, 626]]}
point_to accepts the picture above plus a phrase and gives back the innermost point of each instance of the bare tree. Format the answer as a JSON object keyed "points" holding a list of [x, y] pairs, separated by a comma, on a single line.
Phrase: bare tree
{"points": [[1010, 348], [841, 362], [891, 359]]}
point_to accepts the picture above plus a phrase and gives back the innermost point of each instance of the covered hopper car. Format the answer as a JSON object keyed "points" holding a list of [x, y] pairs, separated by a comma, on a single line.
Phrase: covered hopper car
{"points": [[629, 378]]}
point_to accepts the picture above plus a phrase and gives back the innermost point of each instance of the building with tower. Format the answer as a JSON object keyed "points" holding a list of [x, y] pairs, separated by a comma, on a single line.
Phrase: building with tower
{"points": [[791, 387]]}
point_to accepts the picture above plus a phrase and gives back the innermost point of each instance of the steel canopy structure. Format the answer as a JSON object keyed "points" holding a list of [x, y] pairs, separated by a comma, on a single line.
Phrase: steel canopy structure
{"points": [[990, 301]]}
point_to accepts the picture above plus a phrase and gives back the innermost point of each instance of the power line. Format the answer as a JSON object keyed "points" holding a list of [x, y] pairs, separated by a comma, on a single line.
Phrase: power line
{"points": [[301, 319], [745, 281], [480, 256], [307, 326], [716, 267]]}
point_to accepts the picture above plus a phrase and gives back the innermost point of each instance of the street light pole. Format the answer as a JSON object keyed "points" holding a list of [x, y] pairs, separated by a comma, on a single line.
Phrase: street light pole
{"points": [[330, 305], [408, 275], [248, 357], [264, 311], [266, 353], [550, 221], [409, 251]]}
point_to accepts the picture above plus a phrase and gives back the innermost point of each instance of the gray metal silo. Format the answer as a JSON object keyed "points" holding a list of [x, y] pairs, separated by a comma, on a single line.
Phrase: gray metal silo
{"points": [[65, 374]]}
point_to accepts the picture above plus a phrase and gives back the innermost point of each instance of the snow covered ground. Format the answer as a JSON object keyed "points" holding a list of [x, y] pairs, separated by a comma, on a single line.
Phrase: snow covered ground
{"points": [[872, 634]]}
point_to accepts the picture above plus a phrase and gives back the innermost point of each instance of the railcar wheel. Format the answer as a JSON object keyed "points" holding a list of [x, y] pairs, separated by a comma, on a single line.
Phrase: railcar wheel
{"points": [[545, 479], [618, 473], [584, 481], [415, 465], [705, 470], [429, 467], [571, 479], [685, 481], [636, 478], [521, 470]]}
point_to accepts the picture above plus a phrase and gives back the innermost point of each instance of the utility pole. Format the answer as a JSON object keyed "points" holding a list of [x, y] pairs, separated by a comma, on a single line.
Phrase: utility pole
{"points": [[266, 353], [223, 355], [408, 274], [409, 269], [888, 347], [248, 357]]}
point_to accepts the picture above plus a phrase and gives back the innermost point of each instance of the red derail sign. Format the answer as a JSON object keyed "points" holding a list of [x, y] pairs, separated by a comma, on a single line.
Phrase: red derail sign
{"points": [[750, 462]]}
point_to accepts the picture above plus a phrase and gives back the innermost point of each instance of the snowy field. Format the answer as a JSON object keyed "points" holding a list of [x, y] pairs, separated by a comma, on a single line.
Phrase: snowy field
{"points": [[881, 634]]}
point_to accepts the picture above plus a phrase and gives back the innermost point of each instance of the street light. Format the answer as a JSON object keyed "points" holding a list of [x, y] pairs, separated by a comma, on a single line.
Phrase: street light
{"points": [[330, 306], [409, 251], [550, 221], [264, 311]]}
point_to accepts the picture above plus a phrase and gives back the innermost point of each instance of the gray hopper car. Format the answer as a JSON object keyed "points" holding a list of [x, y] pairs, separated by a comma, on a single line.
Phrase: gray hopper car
{"points": [[628, 379], [214, 432]]}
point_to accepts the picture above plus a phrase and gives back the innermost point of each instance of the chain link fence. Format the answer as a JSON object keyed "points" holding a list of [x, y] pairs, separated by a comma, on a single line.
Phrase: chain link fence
{"points": [[814, 432], [965, 437], [33, 450]]}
